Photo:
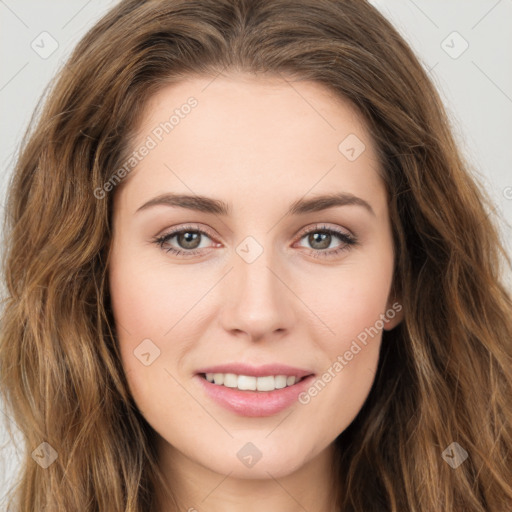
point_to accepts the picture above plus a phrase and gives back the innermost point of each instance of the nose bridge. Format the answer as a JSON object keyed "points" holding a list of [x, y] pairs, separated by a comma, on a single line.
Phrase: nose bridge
{"points": [[259, 301], [256, 284]]}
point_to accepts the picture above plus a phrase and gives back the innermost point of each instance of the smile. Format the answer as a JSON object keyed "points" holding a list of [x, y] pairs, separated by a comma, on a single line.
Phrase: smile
{"points": [[251, 396], [251, 383]]}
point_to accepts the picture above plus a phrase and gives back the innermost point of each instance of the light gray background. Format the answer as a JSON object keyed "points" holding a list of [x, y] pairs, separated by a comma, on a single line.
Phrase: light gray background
{"points": [[476, 87]]}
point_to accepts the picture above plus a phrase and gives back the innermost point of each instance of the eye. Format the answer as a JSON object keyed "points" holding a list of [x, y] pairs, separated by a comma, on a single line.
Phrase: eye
{"points": [[321, 237], [189, 240]]}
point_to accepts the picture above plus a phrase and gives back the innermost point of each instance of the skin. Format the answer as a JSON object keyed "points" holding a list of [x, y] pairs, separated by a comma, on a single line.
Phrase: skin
{"points": [[258, 144]]}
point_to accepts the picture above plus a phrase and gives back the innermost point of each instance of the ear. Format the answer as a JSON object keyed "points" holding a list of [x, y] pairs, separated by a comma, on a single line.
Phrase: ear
{"points": [[394, 314]]}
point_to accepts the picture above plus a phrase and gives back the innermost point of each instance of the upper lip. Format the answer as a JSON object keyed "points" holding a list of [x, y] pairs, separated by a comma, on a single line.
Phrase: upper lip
{"points": [[257, 371]]}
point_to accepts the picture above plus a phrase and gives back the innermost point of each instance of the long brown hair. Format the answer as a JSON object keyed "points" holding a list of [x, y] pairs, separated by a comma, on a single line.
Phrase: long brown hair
{"points": [[445, 373]]}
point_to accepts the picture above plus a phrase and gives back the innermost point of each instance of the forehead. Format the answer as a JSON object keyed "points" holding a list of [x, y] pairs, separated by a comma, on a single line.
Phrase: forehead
{"points": [[248, 132], [225, 105]]}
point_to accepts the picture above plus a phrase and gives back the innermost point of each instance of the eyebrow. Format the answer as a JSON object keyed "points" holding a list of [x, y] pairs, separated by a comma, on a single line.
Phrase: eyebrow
{"points": [[218, 207]]}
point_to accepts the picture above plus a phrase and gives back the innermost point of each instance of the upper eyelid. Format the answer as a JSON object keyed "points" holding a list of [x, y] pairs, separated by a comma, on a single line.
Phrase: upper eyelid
{"points": [[322, 227], [176, 231]]}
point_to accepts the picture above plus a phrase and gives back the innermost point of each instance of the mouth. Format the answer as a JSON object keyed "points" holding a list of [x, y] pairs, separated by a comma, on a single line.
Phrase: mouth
{"points": [[252, 383], [254, 392]]}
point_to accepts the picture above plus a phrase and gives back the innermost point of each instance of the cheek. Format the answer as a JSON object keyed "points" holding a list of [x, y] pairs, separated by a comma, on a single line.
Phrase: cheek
{"points": [[361, 304], [152, 307], [353, 299], [147, 309], [351, 305], [150, 299], [353, 312]]}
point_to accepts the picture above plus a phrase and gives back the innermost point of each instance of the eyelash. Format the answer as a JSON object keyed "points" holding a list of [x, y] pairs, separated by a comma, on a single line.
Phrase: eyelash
{"points": [[348, 240]]}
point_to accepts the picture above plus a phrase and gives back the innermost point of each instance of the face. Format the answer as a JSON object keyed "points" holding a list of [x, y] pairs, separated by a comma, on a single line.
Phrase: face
{"points": [[277, 296]]}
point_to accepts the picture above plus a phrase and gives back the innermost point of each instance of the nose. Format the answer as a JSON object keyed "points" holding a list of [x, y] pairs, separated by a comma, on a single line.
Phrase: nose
{"points": [[258, 301]]}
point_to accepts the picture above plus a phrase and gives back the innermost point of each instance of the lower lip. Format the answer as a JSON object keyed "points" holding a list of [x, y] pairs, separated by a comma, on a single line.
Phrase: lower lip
{"points": [[255, 403]]}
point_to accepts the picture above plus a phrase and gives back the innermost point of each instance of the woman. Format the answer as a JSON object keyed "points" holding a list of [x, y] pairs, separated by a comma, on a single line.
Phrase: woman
{"points": [[247, 268]]}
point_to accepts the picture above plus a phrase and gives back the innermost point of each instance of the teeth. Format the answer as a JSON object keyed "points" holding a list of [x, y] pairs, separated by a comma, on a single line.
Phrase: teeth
{"points": [[247, 382], [218, 378], [230, 380], [280, 381]]}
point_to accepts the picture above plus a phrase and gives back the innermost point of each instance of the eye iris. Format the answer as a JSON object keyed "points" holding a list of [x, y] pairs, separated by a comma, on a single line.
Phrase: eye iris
{"points": [[325, 240], [188, 240]]}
